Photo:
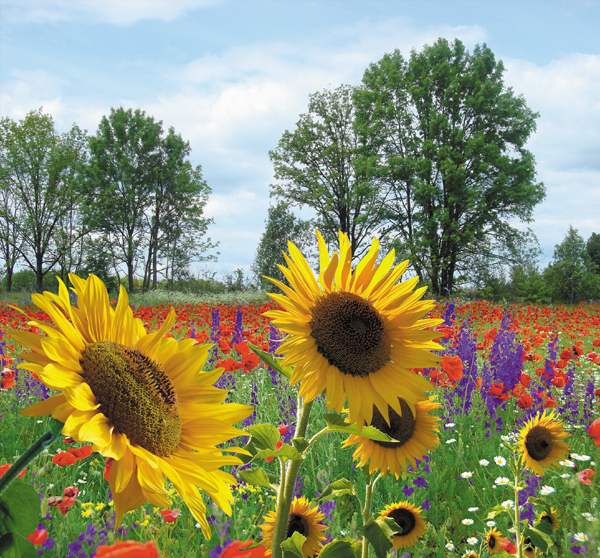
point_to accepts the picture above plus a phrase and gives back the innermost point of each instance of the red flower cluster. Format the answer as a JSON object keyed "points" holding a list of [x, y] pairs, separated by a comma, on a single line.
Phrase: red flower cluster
{"points": [[169, 516], [38, 537], [4, 468], [64, 502], [236, 550], [8, 378], [72, 455], [594, 431], [128, 549]]}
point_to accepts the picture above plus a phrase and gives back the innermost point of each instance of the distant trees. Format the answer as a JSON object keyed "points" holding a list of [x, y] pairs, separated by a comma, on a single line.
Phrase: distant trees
{"points": [[127, 195]]}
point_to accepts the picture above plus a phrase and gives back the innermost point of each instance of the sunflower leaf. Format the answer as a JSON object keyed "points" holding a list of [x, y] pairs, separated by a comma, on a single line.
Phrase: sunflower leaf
{"points": [[496, 510], [300, 444], [19, 512], [339, 549], [259, 477], [336, 489], [335, 423], [379, 533], [265, 436], [292, 547], [286, 451], [540, 539], [271, 361]]}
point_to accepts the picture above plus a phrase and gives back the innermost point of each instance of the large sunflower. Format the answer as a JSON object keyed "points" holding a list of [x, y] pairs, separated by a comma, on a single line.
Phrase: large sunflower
{"points": [[409, 519], [355, 333], [140, 398], [493, 541], [304, 520], [551, 518], [540, 443], [415, 435]]}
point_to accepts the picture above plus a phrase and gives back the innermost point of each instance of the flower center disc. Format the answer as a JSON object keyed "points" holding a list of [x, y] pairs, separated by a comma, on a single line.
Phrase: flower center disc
{"points": [[538, 443], [135, 394], [296, 524], [401, 428], [350, 333], [405, 519]]}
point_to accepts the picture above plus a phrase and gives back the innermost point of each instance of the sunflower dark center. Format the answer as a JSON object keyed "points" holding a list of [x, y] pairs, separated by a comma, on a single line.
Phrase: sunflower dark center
{"points": [[491, 540], [538, 443], [401, 428], [296, 524], [405, 519], [135, 394], [350, 333], [548, 519]]}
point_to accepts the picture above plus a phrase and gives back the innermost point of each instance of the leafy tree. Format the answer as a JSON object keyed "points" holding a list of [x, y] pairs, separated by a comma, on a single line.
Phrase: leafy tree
{"points": [[593, 250], [316, 166], [40, 172], [281, 226], [570, 275], [444, 138]]}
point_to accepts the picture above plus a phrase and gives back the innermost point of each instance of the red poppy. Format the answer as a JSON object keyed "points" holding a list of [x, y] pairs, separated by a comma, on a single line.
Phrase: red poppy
{"points": [[8, 378], [278, 446], [230, 365], [71, 492], [235, 550], [64, 458], [525, 401], [497, 389], [201, 336], [584, 476], [224, 346], [242, 348], [107, 464], [453, 367], [283, 429], [38, 537], [81, 453], [4, 468], [508, 546], [525, 380], [169, 516], [250, 361], [594, 429], [128, 549]]}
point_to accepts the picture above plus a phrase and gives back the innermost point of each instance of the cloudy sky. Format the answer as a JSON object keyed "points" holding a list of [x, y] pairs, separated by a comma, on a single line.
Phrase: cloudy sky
{"points": [[232, 75]]}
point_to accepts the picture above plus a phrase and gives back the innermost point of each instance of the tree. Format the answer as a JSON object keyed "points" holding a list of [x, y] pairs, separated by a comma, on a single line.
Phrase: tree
{"points": [[444, 138], [593, 250], [281, 226], [316, 166], [40, 173], [570, 275]]}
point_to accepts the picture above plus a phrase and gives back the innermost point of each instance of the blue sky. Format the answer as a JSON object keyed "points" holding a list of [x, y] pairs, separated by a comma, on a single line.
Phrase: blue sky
{"points": [[232, 76]]}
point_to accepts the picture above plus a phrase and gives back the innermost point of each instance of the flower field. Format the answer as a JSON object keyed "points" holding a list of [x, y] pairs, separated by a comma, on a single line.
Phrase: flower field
{"points": [[498, 368]]}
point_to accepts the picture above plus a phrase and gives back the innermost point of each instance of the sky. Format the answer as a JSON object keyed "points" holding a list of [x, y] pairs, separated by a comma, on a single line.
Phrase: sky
{"points": [[231, 76]]}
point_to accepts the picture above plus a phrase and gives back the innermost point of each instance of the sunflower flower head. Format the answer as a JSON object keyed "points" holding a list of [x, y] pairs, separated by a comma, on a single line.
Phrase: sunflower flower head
{"points": [[140, 398], [304, 520], [551, 518], [355, 333], [409, 519], [493, 541], [540, 443]]}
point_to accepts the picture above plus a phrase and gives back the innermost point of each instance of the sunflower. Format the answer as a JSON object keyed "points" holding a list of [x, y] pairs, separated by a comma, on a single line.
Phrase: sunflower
{"points": [[493, 541], [409, 519], [304, 520], [415, 435], [540, 444], [551, 518], [528, 548], [140, 399], [470, 554], [355, 334]]}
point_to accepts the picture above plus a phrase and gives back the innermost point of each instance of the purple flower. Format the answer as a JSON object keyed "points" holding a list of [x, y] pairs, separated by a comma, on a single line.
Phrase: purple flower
{"points": [[407, 490], [420, 482]]}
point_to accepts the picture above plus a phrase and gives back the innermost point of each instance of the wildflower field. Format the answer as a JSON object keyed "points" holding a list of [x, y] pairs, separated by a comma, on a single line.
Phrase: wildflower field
{"points": [[500, 368]]}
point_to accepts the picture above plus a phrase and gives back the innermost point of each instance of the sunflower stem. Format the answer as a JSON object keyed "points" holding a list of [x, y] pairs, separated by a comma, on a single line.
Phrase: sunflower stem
{"points": [[42, 443], [517, 511], [366, 511], [288, 483]]}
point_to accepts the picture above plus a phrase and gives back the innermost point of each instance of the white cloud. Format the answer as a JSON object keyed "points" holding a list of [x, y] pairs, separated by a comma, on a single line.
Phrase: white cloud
{"points": [[116, 12]]}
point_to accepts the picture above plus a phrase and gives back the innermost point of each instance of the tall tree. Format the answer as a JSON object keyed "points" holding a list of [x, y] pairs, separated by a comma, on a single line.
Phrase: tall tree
{"points": [[40, 170], [316, 166], [281, 226], [593, 250], [444, 137], [571, 274], [120, 184]]}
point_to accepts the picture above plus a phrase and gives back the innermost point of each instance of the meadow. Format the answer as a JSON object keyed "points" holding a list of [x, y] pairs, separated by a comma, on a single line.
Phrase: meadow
{"points": [[500, 366]]}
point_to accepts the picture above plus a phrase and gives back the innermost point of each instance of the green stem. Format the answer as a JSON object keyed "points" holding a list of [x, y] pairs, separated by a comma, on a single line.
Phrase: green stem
{"points": [[517, 511], [286, 489], [42, 443], [366, 511]]}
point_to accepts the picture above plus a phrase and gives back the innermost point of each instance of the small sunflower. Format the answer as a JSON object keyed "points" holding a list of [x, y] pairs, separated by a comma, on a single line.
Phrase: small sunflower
{"points": [[355, 334], [470, 554], [493, 541], [304, 520], [540, 443], [551, 518], [528, 548], [141, 399], [415, 435], [409, 519]]}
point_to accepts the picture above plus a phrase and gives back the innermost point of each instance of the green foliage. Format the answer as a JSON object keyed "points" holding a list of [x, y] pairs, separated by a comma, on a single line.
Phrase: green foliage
{"points": [[444, 137], [593, 250], [19, 511]]}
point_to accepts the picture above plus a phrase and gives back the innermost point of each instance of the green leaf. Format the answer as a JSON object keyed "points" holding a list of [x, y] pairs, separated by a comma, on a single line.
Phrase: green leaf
{"points": [[336, 489], [336, 423], [271, 361], [265, 436], [286, 451], [292, 547], [259, 477], [379, 533], [496, 510], [338, 549], [19, 514], [540, 539], [300, 444]]}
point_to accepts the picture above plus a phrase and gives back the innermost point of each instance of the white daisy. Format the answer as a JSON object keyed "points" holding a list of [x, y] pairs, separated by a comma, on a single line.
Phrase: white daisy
{"points": [[567, 463], [466, 475], [473, 509], [467, 521], [491, 523], [484, 462], [580, 537], [502, 481], [450, 425], [472, 540], [450, 547], [451, 440], [565, 476], [500, 460], [582, 457], [508, 504], [546, 490]]}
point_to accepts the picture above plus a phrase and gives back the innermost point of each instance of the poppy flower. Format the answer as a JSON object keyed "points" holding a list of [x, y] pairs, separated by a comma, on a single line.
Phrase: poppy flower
{"points": [[235, 550], [525, 401], [283, 429], [525, 380], [224, 346], [71, 492], [4, 468], [250, 361], [8, 378], [64, 458], [38, 537], [169, 516], [242, 348], [453, 367], [584, 476], [107, 464], [81, 453], [508, 546], [594, 429], [128, 549], [278, 446]]}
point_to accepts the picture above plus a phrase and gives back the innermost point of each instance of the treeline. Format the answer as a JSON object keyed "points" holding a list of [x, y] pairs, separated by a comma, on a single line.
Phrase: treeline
{"points": [[126, 198]]}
